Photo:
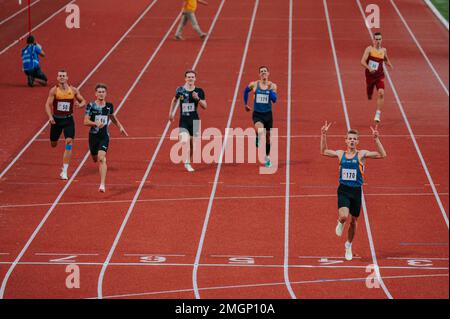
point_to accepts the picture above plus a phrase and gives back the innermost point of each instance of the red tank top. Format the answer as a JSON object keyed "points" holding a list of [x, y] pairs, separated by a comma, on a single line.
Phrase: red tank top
{"points": [[375, 61]]}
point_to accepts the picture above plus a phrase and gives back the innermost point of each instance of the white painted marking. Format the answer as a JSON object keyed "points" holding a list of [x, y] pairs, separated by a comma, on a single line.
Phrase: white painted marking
{"points": [[228, 256], [266, 197], [268, 285], [288, 161], [417, 258], [437, 13]]}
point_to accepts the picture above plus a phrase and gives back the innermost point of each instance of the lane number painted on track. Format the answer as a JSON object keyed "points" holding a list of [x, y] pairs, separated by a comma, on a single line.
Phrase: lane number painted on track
{"points": [[241, 260], [420, 262], [326, 261], [152, 259], [70, 259]]}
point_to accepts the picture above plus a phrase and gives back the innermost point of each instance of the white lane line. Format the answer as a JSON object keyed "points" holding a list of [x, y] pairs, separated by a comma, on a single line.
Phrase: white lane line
{"points": [[240, 256], [169, 255], [318, 281], [266, 197], [132, 138], [230, 265], [64, 254], [416, 258], [44, 219], [219, 166], [413, 138], [35, 28], [80, 86], [437, 13], [347, 121], [420, 47], [325, 257], [149, 167], [288, 160], [19, 12]]}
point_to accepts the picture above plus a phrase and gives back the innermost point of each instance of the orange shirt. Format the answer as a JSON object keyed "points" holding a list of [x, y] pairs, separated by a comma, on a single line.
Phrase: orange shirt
{"points": [[190, 5], [63, 102]]}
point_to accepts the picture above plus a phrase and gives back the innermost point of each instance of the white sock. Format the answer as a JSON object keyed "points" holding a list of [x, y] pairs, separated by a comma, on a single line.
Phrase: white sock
{"points": [[348, 244], [65, 167]]}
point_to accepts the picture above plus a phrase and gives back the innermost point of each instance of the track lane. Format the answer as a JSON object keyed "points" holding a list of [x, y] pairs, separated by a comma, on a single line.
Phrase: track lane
{"points": [[244, 227], [399, 165]]}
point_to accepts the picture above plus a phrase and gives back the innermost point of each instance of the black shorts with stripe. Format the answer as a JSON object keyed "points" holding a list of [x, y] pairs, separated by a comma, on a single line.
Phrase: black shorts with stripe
{"points": [[98, 142], [350, 197], [62, 124], [265, 118]]}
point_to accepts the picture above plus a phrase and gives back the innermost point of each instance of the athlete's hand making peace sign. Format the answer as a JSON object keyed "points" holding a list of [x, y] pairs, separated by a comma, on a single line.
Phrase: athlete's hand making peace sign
{"points": [[326, 127], [375, 132]]}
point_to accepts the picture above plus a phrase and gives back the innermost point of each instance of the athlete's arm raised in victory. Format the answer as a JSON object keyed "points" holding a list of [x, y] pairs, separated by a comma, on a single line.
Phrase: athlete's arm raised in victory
{"points": [[49, 103], [323, 143], [380, 152]]}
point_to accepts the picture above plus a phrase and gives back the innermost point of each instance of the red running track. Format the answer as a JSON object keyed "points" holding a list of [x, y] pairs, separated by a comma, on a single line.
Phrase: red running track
{"points": [[243, 251]]}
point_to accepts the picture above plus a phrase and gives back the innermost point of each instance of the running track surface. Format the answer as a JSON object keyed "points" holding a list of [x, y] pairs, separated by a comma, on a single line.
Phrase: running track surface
{"points": [[226, 231]]}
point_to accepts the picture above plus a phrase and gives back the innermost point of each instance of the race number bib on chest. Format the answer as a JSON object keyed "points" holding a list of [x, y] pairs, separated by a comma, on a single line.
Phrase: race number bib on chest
{"points": [[102, 119], [188, 107], [374, 65], [262, 98], [63, 106], [349, 174]]}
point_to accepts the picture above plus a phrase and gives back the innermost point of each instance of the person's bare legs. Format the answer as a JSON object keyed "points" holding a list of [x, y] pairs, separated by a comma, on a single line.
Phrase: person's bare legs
{"points": [[350, 236], [103, 168], [66, 157], [380, 104]]}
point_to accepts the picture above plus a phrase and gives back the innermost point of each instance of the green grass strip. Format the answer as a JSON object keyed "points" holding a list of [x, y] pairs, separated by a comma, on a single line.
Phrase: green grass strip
{"points": [[442, 6]]}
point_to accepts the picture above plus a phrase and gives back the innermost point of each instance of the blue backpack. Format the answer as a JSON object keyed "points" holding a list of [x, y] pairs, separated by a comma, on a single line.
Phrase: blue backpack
{"points": [[29, 58]]}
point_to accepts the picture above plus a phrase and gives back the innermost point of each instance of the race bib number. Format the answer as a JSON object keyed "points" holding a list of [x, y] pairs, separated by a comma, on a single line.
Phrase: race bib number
{"points": [[63, 106], [373, 65], [262, 98], [349, 174], [102, 119], [188, 107]]}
